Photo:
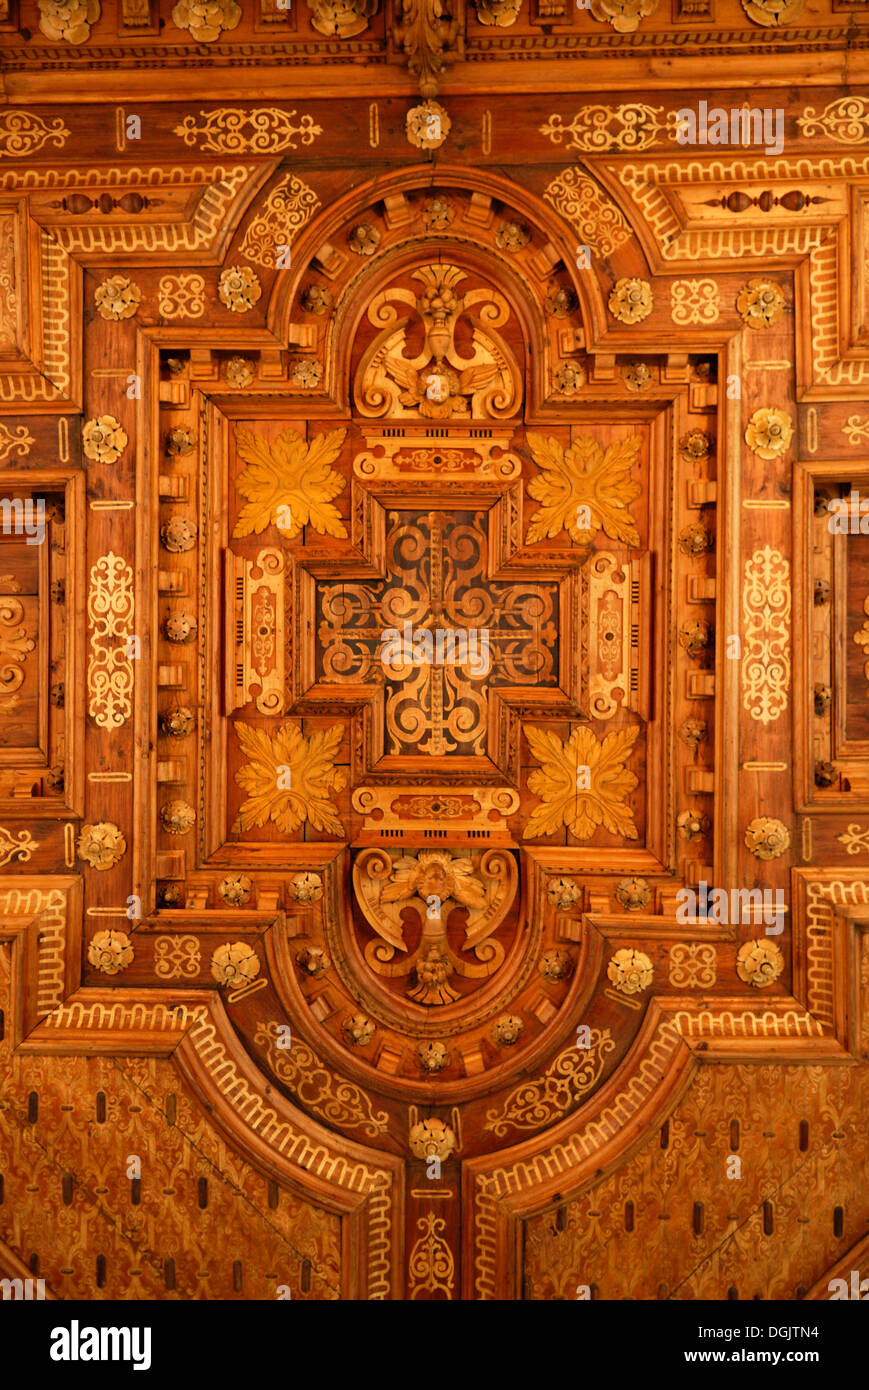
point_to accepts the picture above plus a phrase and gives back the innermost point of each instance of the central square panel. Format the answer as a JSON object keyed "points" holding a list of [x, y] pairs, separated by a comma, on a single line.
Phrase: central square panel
{"points": [[437, 634]]}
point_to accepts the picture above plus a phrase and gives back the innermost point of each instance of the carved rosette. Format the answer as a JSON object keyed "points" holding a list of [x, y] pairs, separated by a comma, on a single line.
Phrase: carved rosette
{"points": [[364, 239], [68, 21], [564, 892], [117, 298], [110, 951], [759, 963], [103, 439], [769, 432], [307, 888], [695, 540], [178, 817], [235, 963], [239, 288], [178, 534], [313, 961], [507, 1030], [633, 894], [555, 964], [760, 303], [180, 627], [342, 19], [433, 1056], [691, 824], [773, 13], [235, 889], [316, 299], [767, 838], [239, 372], [630, 971], [502, 13], [630, 300], [359, 1029], [101, 845], [432, 1138], [623, 15], [178, 722], [206, 20], [695, 445], [427, 125], [693, 732]]}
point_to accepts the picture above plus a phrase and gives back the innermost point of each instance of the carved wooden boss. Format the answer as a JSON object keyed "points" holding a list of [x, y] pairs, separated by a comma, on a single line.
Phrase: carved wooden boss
{"points": [[413, 621]]}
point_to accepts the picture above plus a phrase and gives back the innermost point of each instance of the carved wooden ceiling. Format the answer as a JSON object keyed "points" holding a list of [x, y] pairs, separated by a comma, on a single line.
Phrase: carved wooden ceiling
{"points": [[429, 555]]}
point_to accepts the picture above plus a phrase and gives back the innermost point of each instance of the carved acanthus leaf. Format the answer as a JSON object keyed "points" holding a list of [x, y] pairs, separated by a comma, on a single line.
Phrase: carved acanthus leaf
{"points": [[428, 34], [289, 483], [583, 489]]}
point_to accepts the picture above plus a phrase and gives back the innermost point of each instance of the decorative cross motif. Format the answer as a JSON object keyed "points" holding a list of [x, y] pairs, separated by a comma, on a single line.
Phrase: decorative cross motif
{"points": [[437, 634]]}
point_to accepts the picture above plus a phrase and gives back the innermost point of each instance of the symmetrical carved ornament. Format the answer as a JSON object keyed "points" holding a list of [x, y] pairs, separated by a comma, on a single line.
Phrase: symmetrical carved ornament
{"points": [[289, 778], [432, 883], [582, 784], [428, 36], [584, 489], [438, 382], [16, 644], [432, 1138], [861, 636], [289, 483]]}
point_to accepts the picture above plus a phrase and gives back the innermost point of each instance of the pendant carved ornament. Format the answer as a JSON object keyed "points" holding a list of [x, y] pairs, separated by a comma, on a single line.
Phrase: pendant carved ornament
{"points": [[438, 383], [430, 885]]}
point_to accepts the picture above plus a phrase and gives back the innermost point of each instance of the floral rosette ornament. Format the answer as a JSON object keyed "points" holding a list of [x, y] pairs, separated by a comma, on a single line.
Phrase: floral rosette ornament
{"points": [[68, 21], [117, 298], [760, 303], [769, 432], [205, 22], [101, 845], [110, 951], [239, 288], [759, 963], [631, 300], [235, 963], [630, 971], [103, 439]]}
